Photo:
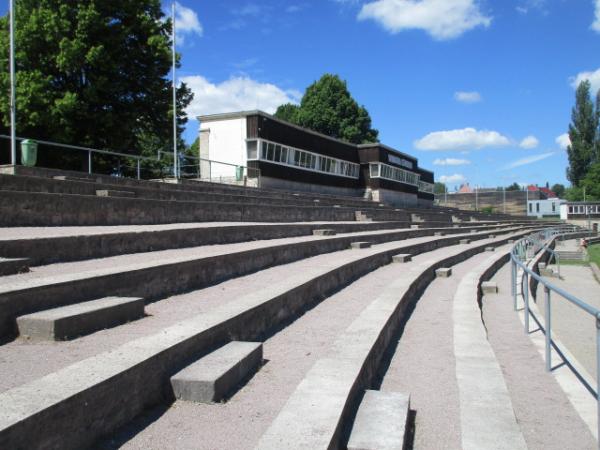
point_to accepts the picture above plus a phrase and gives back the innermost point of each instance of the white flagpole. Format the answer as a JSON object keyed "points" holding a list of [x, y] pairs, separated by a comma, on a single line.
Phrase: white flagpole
{"points": [[13, 106], [175, 159]]}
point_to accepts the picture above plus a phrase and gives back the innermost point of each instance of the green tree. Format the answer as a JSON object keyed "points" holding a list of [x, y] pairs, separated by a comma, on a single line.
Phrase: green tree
{"points": [[513, 187], [559, 190], [93, 73], [583, 132], [591, 183], [328, 107], [287, 112], [439, 188]]}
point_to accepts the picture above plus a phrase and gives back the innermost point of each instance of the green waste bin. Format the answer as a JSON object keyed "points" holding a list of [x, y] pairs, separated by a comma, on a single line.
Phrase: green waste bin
{"points": [[29, 152], [239, 173]]}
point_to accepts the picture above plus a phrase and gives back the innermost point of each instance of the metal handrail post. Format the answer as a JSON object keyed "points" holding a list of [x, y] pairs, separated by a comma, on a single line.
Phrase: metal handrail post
{"points": [[90, 162], [514, 283], [138, 169], [525, 290], [548, 330]]}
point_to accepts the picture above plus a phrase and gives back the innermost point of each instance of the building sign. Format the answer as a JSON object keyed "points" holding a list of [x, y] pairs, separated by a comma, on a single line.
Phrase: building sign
{"points": [[400, 161]]}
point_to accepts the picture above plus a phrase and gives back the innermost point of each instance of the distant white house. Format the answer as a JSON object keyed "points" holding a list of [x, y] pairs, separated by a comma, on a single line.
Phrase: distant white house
{"points": [[544, 208]]}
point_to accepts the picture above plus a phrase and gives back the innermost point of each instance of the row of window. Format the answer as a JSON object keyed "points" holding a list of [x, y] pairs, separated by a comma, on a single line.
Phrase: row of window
{"points": [[270, 151], [378, 170], [584, 209], [426, 187]]}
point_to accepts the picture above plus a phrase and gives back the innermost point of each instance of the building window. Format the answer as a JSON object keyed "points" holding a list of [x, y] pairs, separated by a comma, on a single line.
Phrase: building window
{"points": [[303, 159], [426, 187], [537, 207], [553, 207], [393, 174], [570, 210], [531, 207]]}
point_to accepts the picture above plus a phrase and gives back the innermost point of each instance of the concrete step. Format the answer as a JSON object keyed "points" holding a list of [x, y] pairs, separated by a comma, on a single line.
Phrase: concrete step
{"points": [[70, 322], [402, 258], [213, 377], [134, 376], [113, 193], [153, 277], [358, 245], [9, 266], [316, 414], [380, 422]]}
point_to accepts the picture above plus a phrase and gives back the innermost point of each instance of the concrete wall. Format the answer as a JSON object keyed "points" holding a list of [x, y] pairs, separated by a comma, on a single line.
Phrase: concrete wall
{"points": [[226, 143], [399, 199], [516, 201]]}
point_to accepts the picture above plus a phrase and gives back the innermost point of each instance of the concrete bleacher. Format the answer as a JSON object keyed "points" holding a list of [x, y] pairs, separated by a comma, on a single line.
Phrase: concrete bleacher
{"points": [[213, 264]]}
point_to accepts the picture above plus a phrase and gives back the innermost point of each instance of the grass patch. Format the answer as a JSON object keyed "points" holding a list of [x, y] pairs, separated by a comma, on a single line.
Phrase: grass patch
{"points": [[594, 252]]}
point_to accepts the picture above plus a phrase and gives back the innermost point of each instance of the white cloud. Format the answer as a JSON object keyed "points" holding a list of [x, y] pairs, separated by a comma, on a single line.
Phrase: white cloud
{"points": [[467, 97], [529, 5], [442, 19], [592, 77], [186, 21], [563, 141], [451, 162], [596, 24], [236, 94], [528, 160], [464, 139], [456, 178], [529, 142]]}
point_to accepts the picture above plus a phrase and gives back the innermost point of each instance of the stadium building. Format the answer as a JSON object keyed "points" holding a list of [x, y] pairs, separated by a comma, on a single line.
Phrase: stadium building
{"points": [[293, 158]]}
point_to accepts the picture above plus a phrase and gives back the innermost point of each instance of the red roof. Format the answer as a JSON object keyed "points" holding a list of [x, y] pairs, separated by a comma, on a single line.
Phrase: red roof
{"points": [[549, 193]]}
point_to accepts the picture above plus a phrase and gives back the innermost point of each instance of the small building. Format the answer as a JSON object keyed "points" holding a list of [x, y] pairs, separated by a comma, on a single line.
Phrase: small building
{"points": [[544, 207], [289, 157], [585, 214]]}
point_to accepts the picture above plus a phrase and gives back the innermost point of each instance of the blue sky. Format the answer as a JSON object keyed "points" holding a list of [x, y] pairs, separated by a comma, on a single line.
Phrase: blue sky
{"points": [[479, 91]]}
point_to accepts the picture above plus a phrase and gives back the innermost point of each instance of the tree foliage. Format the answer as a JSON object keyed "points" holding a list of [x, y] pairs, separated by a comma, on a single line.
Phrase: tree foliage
{"points": [[439, 188], [559, 190], [327, 107], [583, 132], [93, 73], [513, 187]]}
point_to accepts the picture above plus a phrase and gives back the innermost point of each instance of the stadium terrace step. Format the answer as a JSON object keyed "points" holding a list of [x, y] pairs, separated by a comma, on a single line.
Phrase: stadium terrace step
{"points": [[152, 276], [317, 413], [9, 266], [465, 241], [69, 322], [112, 193], [213, 377], [380, 422], [54, 411], [402, 258], [324, 232]]}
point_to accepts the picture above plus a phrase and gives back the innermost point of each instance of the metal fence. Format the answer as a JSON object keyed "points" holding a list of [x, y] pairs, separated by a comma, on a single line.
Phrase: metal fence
{"points": [[119, 164], [521, 252]]}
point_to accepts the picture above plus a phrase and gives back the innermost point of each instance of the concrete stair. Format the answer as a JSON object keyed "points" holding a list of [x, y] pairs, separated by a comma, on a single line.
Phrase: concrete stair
{"points": [[9, 266]]}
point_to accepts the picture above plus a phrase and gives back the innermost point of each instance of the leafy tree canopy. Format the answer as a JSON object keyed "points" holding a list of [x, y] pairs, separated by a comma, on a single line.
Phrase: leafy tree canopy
{"points": [[513, 187], [583, 132], [439, 188], [559, 190], [93, 73], [327, 107]]}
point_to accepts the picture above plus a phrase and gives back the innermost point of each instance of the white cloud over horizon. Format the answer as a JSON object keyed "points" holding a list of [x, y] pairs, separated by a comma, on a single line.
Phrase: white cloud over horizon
{"points": [[235, 94], [528, 160], [462, 139], [596, 23], [451, 162], [592, 76], [529, 142], [456, 178], [467, 97], [563, 140], [441, 19], [186, 22]]}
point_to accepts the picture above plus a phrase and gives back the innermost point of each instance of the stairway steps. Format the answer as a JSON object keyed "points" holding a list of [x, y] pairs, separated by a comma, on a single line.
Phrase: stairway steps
{"points": [[10, 266]]}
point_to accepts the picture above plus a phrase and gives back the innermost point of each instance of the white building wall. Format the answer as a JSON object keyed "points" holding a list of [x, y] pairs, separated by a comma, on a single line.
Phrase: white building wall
{"points": [[226, 144], [541, 208]]}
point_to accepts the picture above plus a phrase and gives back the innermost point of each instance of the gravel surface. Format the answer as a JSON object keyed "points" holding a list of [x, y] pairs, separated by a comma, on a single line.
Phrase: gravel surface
{"points": [[424, 365], [22, 361], [547, 419], [575, 328], [240, 422]]}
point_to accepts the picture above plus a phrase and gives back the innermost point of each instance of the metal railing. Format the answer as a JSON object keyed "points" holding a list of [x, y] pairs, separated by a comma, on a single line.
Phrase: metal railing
{"points": [[216, 171], [519, 260]]}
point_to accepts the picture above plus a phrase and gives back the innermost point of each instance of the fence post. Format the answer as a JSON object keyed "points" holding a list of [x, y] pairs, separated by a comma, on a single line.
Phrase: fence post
{"points": [[548, 330], [514, 283], [138, 169], [525, 290], [89, 162]]}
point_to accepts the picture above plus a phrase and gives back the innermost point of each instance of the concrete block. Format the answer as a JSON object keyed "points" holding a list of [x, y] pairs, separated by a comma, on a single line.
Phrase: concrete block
{"points": [[438, 233], [324, 232], [492, 236], [68, 322], [415, 227], [112, 193], [473, 231], [403, 258], [489, 287], [213, 377], [10, 266], [490, 249], [444, 272], [541, 266], [380, 422], [381, 205], [465, 241], [356, 245], [70, 178]]}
